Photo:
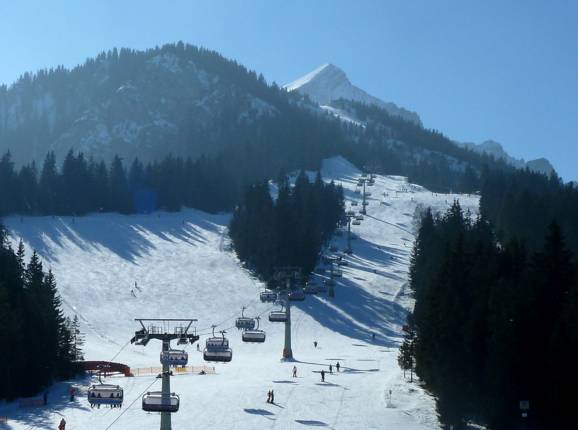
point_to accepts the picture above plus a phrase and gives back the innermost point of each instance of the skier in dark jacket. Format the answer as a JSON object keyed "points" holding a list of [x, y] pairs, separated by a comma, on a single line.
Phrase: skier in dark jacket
{"points": [[323, 376]]}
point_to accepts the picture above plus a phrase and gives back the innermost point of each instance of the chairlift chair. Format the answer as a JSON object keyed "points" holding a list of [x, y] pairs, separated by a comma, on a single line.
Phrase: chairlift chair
{"points": [[174, 357], [254, 336], [105, 394], [356, 222], [278, 316], [354, 203], [296, 295], [243, 322], [311, 288], [217, 349], [268, 296], [155, 401]]}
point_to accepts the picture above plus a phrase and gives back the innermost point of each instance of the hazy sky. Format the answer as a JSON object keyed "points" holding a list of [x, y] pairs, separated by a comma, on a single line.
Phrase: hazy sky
{"points": [[505, 70]]}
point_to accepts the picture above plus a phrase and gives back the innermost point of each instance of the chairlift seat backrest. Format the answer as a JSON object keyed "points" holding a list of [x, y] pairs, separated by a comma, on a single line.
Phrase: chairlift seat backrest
{"points": [[277, 316], [245, 323], [105, 394], [253, 336], [157, 402], [217, 343]]}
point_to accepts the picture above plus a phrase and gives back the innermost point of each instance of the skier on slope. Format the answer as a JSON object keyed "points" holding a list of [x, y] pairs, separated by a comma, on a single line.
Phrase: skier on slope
{"points": [[295, 371], [330, 369], [62, 425], [338, 366], [322, 375]]}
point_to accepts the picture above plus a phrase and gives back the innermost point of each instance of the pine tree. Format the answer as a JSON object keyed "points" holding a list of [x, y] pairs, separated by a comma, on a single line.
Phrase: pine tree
{"points": [[406, 356]]}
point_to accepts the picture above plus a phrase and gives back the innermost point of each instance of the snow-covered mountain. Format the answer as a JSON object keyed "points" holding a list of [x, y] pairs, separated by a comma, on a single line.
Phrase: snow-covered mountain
{"points": [[329, 83], [496, 150]]}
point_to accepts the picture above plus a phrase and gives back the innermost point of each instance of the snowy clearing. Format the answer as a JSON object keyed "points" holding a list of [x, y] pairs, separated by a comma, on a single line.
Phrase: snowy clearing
{"points": [[183, 270]]}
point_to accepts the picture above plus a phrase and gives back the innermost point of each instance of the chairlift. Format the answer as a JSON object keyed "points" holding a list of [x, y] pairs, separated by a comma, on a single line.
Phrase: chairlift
{"points": [[337, 274], [156, 401], [244, 322], [311, 288], [278, 316], [356, 222], [105, 394], [296, 295], [359, 217], [268, 296], [254, 336], [174, 357], [217, 348], [354, 203]]}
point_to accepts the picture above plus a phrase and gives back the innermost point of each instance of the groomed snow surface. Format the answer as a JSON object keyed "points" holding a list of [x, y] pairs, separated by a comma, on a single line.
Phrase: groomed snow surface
{"points": [[183, 269]]}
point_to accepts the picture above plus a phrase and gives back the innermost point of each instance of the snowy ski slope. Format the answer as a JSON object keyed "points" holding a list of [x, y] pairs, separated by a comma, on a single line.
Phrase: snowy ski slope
{"points": [[183, 269]]}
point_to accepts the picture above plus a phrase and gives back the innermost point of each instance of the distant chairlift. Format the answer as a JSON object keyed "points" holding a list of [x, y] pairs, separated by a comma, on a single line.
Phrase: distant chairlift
{"points": [[155, 401], [356, 222], [354, 203], [296, 295], [174, 357], [243, 322], [217, 349], [255, 336], [311, 288], [105, 394], [268, 296]]}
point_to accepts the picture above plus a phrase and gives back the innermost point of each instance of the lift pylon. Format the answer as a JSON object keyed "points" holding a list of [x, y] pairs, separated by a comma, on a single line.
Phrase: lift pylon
{"points": [[160, 329]]}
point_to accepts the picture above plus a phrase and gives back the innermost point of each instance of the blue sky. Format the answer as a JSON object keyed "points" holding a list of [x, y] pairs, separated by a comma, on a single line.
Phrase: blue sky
{"points": [[475, 70]]}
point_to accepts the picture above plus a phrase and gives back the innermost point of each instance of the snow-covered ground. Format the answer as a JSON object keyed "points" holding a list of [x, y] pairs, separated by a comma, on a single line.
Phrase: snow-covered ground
{"points": [[183, 269]]}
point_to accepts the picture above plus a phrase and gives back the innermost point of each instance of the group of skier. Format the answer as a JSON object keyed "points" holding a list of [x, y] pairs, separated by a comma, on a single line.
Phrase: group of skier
{"points": [[271, 396]]}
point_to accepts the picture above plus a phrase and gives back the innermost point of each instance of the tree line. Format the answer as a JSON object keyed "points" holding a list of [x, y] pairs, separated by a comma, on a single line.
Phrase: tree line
{"points": [[495, 323], [39, 344], [287, 231]]}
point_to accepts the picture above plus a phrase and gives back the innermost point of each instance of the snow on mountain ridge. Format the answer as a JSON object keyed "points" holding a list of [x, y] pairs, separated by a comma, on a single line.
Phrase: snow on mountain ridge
{"points": [[328, 83], [496, 150]]}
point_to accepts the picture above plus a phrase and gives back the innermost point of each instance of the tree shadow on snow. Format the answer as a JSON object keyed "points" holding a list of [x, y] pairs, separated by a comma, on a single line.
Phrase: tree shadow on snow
{"points": [[126, 236], [41, 417], [359, 315]]}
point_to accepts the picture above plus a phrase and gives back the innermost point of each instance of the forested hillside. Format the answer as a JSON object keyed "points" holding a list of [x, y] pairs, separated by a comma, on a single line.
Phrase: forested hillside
{"points": [[494, 323], [39, 344]]}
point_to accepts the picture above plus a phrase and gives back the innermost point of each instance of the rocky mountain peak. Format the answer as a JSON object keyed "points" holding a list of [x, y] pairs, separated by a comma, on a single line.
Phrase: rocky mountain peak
{"points": [[328, 83]]}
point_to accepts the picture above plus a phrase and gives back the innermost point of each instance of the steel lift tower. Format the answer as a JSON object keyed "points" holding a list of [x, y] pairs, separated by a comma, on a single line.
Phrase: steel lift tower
{"points": [[159, 328]]}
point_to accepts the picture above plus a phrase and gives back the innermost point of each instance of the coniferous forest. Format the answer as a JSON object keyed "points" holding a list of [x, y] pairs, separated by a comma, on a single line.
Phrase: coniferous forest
{"points": [[289, 231], [494, 323], [39, 344]]}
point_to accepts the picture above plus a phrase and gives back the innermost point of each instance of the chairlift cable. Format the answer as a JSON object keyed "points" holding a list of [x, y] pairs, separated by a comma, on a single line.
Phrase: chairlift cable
{"points": [[132, 403], [120, 350]]}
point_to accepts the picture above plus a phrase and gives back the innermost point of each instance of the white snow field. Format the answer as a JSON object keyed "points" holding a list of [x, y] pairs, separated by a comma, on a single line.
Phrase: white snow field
{"points": [[183, 269]]}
